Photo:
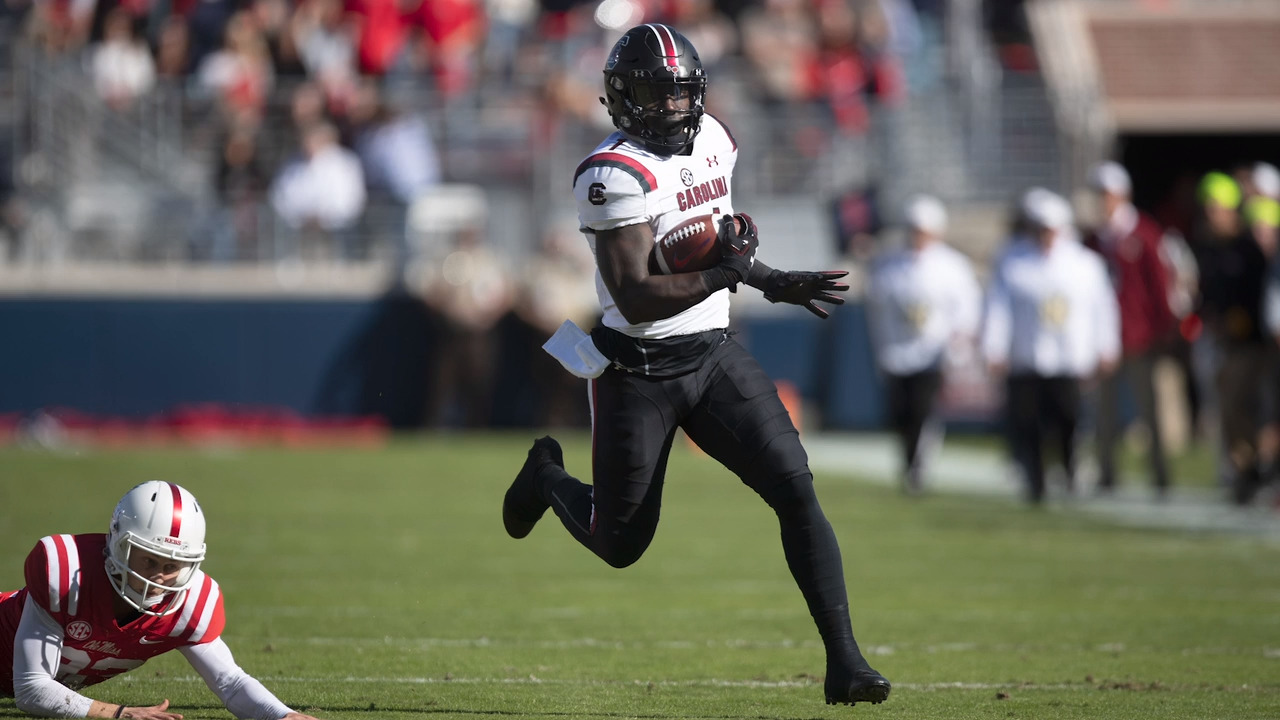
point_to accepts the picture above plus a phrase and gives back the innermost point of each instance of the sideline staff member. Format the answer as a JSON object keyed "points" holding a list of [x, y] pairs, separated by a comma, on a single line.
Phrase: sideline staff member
{"points": [[924, 304], [1051, 321]]}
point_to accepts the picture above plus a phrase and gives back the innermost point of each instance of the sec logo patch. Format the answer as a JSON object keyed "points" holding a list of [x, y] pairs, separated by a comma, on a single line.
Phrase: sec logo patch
{"points": [[79, 630]]}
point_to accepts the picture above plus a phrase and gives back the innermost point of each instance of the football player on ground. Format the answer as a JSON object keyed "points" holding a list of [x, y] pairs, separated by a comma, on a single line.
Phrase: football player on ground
{"points": [[673, 363], [96, 606]]}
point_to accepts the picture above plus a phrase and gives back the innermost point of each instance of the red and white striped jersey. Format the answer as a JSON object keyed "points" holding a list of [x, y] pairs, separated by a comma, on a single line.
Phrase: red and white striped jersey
{"points": [[67, 578]]}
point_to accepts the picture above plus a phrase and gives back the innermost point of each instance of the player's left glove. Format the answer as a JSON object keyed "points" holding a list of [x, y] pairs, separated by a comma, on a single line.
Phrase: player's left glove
{"points": [[804, 288], [738, 239]]}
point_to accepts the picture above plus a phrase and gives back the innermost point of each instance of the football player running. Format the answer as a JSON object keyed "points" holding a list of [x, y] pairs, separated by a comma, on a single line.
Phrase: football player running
{"points": [[666, 359], [96, 606]]}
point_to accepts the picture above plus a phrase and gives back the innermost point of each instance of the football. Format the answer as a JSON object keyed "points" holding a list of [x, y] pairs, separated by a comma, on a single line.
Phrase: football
{"points": [[689, 247]]}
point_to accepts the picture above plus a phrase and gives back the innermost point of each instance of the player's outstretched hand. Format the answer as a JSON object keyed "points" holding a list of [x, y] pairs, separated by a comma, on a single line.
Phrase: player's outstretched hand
{"points": [[153, 712], [298, 716], [805, 288]]}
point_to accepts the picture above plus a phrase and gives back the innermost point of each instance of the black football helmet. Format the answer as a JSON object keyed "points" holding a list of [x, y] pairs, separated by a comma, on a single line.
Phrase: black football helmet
{"points": [[648, 64]]}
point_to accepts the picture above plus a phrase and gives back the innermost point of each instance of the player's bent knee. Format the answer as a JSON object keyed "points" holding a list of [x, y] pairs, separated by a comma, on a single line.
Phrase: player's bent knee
{"points": [[622, 558], [622, 561], [621, 554], [793, 494]]}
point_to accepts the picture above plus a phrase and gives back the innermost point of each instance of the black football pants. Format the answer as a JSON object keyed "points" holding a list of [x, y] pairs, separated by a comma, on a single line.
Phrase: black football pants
{"points": [[731, 409]]}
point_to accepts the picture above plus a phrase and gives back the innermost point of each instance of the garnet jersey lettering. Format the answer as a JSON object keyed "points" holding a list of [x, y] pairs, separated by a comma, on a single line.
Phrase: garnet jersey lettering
{"points": [[621, 183], [67, 578]]}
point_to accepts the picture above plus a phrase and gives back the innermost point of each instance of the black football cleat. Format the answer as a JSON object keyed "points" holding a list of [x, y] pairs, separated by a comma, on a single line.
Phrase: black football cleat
{"points": [[522, 507], [844, 687]]}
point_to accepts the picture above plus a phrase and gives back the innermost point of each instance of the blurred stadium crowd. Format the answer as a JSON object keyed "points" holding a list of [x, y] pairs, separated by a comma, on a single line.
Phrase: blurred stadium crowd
{"points": [[328, 113]]}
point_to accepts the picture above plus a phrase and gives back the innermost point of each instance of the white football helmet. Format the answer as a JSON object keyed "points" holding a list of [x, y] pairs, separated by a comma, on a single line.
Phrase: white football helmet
{"points": [[160, 518]]}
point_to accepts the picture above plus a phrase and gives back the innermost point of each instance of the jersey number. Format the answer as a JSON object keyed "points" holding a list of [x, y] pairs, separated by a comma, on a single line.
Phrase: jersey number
{"points": [[73, 661]]}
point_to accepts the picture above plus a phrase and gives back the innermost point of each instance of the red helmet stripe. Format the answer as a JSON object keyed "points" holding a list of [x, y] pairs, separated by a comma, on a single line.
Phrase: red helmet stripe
{"points": [[667, 42], [176, 526]]}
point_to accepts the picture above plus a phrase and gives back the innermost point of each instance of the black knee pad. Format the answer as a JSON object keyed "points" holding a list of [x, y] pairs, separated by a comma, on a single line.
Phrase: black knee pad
{"points": [[792, 496]]}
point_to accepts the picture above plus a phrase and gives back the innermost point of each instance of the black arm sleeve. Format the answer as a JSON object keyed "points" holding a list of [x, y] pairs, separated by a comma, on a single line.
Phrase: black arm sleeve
{"points": [[759, 274]]}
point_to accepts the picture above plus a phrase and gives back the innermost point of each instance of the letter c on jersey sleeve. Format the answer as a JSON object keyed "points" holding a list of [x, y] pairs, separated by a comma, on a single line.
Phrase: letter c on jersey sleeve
{"points": [[611, 193]]}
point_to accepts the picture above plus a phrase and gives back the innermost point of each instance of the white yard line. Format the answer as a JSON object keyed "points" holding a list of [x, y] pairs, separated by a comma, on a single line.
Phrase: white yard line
{"points": [[747, 643], [1102, 684]]}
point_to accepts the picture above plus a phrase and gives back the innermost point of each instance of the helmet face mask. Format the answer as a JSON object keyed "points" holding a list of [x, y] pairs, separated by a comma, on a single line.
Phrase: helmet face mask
{"points": [[137, 589], [155, 525], [655, 88]]}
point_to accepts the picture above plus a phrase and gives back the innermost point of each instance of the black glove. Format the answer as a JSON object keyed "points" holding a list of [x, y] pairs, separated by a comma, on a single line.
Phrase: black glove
{"points": [[738, 242], [803, 288]]}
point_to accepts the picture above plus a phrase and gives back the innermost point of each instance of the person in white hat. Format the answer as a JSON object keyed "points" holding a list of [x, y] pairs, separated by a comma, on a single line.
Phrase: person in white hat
{"points": [[1129, 242], [1050, 321], [924, 306], [1266, 180]]}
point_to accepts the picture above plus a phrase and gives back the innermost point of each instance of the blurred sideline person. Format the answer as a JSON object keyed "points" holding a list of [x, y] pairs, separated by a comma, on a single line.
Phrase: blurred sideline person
{"points": [[96, 606], [1261, 215], [1129, 243], [1050, 321], [662, 358], [557, 284], [1232, 279], [924, 306], [469, 295], [1266, 218]]}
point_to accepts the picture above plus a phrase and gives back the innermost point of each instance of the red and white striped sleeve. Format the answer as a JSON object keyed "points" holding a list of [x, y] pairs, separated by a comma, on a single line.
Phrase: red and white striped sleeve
{"points": [[202, 618], [53, 575]]}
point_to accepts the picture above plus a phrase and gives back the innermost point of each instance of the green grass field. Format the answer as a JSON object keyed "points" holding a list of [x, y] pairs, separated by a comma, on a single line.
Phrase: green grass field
{"points": [[379, 584]]}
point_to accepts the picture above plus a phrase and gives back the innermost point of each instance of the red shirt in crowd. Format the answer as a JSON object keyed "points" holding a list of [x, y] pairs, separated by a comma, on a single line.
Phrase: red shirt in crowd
{"points": [[1130, 244], [382, 33]]}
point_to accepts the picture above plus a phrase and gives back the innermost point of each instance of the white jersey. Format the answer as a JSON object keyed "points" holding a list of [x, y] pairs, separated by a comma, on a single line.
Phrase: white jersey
{"points": [[921, 302], [621, 184], [1051, 313]]}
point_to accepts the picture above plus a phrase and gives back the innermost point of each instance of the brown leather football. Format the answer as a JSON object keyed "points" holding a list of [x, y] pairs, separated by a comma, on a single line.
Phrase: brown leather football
{"points": [[689, 247]]}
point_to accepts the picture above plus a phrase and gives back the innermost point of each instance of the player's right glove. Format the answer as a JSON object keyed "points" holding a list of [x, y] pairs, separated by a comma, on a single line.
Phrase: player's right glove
{"points": [[738, 240], [803, 288]]}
